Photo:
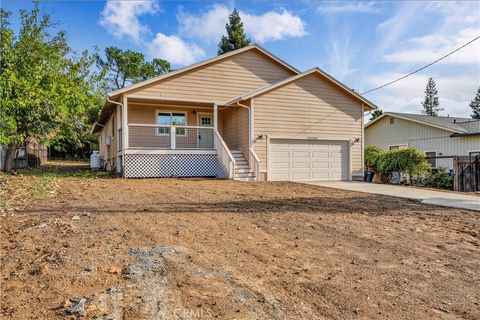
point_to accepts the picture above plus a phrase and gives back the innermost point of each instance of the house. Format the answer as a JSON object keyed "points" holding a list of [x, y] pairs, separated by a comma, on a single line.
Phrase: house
{"points": [[245, 114], [434, 135]]}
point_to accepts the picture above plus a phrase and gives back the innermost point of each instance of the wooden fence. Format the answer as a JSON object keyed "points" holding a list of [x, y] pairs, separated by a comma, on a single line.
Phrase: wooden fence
{"points": [[466, 172], [466, 175]]}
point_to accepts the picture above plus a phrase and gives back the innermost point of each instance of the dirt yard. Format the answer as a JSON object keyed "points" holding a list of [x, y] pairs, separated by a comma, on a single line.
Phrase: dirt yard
{"points": [[81, 245]]}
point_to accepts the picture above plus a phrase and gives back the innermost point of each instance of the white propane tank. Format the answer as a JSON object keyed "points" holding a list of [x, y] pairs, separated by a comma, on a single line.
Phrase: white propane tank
{"points": [[95, 162]]}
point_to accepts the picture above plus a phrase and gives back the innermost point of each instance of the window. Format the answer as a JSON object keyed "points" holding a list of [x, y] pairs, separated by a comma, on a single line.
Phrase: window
{"points": [[398, 147], [432, 161], [474, 153], [171, 119], [392, 120], [206, 121]]}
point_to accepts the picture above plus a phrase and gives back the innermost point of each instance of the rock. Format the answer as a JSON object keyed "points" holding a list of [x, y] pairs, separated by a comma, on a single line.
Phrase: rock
{"points": [[39, 270], [65, 304], [75, 217], [115, 270], [77, 307], [44, 269], [89, 267]]}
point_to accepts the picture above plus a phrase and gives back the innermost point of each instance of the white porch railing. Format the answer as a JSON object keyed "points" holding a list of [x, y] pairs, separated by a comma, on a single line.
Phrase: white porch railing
{"points": [[151, 136], [254, 162], [224, 156]]}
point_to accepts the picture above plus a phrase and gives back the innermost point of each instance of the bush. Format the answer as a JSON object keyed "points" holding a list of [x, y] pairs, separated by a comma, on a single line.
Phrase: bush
{"points": [[408, 161], [439, 178], [373, 155], [404, 161]]}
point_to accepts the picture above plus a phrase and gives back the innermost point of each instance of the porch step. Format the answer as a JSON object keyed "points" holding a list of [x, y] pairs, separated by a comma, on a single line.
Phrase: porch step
{"points": [[243, 172]]}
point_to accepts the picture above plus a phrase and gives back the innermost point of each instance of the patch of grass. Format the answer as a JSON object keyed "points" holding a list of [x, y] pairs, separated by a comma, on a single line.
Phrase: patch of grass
{"points": [[72, 169], [42, 184]]}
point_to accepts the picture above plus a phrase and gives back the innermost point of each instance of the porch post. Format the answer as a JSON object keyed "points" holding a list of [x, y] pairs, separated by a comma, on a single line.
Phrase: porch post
{"points": [[215, 123], [125, 123], [215, 116], [124, 131], [251, 111]]}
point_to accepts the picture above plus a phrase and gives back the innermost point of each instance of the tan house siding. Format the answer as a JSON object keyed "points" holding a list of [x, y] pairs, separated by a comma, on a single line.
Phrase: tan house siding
{"points": [[235, 124], [220, 80], [308, 107]]}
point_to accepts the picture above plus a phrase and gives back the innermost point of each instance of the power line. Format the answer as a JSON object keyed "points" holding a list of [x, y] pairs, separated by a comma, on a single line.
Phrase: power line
{"points": [[424, 67]]}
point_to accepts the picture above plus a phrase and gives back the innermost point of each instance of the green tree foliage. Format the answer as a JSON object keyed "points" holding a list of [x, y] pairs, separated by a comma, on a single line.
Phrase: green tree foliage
{"points": [[409, 161], [46, 95], [373, 155], [375, 114], [438, 178], [126, 67], [431, 104], [235, 38], [475, 105]]}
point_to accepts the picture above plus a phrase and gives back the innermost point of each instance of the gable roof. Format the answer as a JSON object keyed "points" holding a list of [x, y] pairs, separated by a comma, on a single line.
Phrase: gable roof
{"points": [[202, 63], [456, 125], [285, 81]]}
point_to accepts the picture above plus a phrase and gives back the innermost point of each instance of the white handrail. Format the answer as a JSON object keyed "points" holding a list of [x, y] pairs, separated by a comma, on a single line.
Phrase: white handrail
{"points": [[222, 148], [256, 163], [167, 126]]}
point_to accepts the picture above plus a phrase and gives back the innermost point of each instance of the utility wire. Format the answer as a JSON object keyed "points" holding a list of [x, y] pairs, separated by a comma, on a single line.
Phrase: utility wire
{"points": [[424, 67]]}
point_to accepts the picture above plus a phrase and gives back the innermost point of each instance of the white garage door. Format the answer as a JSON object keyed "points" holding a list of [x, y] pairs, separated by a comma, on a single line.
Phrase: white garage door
{"points": [[302, 160]]}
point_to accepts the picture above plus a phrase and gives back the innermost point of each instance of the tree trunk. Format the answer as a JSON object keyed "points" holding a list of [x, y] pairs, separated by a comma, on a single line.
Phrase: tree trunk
{"points": [[10, 157]]}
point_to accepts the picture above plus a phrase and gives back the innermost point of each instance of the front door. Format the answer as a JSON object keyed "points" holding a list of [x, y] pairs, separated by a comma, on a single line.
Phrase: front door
{"points": [[205, 136]]}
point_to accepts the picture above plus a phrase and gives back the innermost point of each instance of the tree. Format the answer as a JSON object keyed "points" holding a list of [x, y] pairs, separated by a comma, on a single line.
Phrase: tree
{"points": [[475, 105], [126, 67], [44, 90], [430, 104], [375, 114], [235, 38]]}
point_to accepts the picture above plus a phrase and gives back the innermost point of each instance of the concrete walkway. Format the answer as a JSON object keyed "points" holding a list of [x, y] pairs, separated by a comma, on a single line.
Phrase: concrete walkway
{"points": [[439, 198]]}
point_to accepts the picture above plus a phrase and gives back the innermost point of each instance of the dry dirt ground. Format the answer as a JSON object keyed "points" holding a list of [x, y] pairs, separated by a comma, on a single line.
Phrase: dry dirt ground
{"points": [[87, 245]]}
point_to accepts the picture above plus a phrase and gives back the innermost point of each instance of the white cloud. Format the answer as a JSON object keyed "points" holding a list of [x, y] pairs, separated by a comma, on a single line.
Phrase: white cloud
{"points": [[273, 25], [210, 25], [425, 49], [121, 17], [341, 54], [349, 7], [174, 49]]}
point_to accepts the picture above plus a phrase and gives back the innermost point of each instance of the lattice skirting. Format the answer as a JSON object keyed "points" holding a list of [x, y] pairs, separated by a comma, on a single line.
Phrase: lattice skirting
{"points": [[171, 165]]}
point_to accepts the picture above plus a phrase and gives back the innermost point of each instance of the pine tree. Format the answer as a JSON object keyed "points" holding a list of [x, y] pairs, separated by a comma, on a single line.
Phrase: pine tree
{"points": [[475, 105], [235, 38], [375, 114], [431, 105]]}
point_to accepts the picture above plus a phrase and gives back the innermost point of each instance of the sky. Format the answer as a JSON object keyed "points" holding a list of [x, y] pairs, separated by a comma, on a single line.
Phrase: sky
{"points": [[363, 44]]}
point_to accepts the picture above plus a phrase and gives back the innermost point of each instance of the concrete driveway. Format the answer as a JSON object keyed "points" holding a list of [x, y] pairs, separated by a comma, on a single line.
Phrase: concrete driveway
{"points": [[439, 198]]}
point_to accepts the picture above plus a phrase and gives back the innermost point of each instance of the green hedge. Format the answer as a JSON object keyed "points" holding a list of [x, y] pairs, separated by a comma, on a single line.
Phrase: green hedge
{"points": [[405, 161]]}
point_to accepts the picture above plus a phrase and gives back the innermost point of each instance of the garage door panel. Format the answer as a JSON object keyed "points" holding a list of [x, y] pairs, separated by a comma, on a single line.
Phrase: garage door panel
{"points": [[300, 165], [281, 165], [300, 154], [281, 154], [320, 154], [300, 176], [303, 160]]}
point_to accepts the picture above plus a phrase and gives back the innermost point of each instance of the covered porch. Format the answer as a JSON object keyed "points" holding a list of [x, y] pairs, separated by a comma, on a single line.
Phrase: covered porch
{"points": [[161, 137]]}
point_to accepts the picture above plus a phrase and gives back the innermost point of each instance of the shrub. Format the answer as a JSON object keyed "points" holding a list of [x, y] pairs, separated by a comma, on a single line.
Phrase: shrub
{"points": [[373, 155], [439, 178], [404, 161], [409, 161]]}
